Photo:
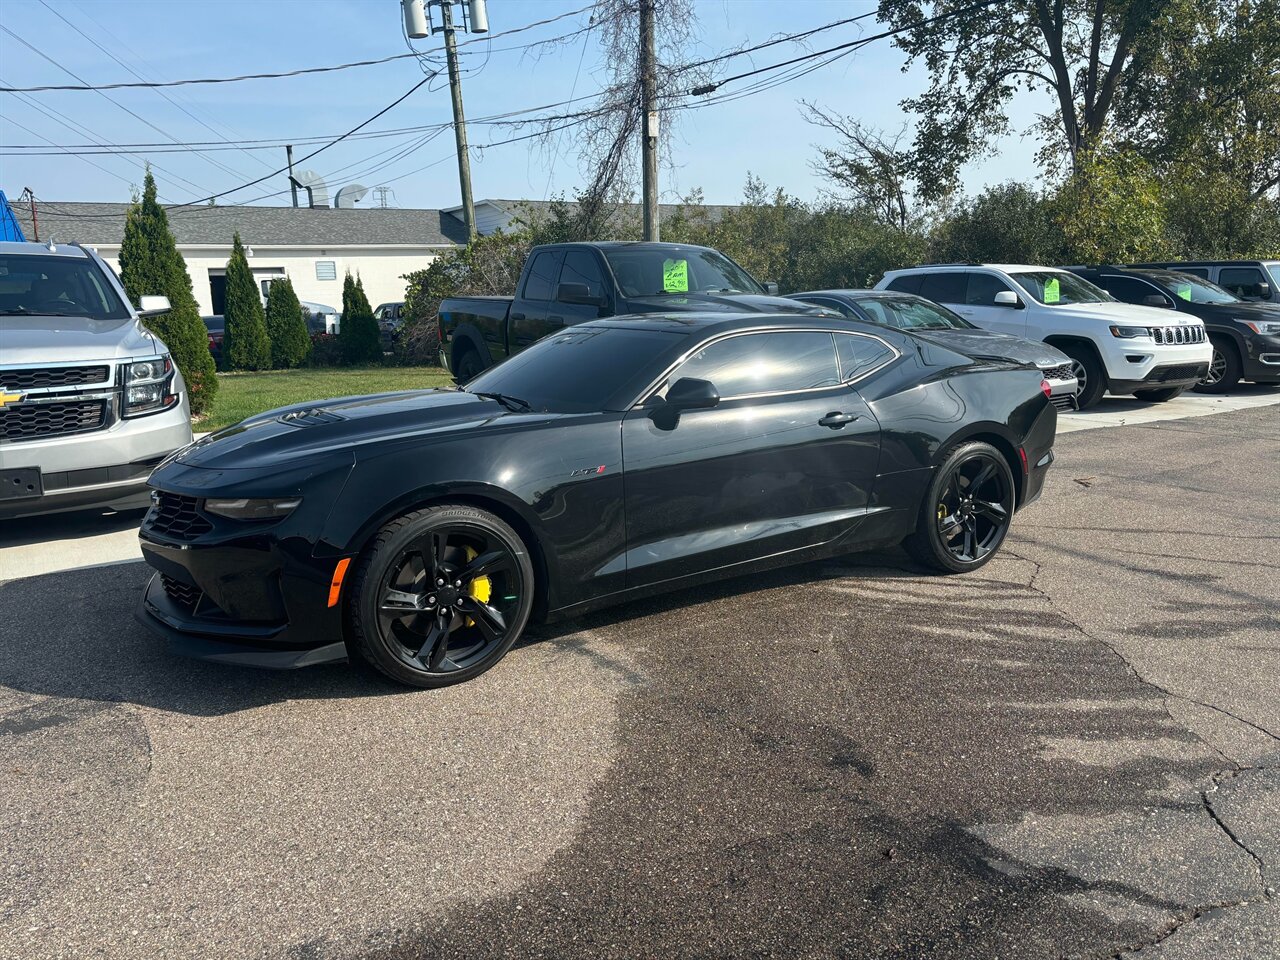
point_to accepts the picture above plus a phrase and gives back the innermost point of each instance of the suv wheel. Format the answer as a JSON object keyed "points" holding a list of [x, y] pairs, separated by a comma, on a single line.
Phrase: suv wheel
{"points": [[1224, 368], [1092, 380]]}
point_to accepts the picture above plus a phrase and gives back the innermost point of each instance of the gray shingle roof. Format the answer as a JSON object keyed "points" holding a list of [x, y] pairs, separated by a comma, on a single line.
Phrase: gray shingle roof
{"points": [[103, 224]]}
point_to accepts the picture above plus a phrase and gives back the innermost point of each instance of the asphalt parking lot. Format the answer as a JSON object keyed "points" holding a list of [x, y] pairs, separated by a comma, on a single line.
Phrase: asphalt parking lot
{"points": [[1073, 752]]}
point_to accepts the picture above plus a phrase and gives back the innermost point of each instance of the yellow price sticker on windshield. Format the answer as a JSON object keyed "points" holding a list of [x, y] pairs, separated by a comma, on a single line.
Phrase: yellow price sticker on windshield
{"points": [[1184, 291], [1051, 292], [675, 276]]}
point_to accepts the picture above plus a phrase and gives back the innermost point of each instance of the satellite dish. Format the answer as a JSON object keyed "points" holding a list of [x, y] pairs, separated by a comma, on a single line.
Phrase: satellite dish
{"points": [[350, 195]]}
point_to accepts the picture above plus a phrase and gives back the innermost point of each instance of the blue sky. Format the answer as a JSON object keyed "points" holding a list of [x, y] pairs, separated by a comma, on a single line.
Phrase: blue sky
{"points": [[715, 147]]}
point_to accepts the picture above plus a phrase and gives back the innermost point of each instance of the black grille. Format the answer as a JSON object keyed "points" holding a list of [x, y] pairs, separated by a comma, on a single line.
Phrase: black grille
{"points": [[1181, 371], [311, 416], [176, 517], [1061, 372], [31, 421], [1189, 333], [38, 378], [1064, 403], [183, 594]]}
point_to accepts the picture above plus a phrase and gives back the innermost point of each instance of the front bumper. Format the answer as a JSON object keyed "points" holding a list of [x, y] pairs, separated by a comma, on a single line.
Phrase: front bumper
{"points": [[106, 468], [1164, 376], [1261, 363], [1140, 364]]}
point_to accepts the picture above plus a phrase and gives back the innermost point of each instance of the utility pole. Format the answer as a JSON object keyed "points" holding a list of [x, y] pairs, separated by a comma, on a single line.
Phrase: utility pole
{"points": [[459, 121], [29, 195], [417, 24], [649, 135], [293, 184]]}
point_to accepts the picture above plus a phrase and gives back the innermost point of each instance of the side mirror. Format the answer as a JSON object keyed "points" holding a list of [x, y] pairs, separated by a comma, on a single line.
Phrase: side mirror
{"points": [[1156, 300], [688, 393], [1264, 291], [770, 288], [578, 293], [153, 306], [1007, 298]]}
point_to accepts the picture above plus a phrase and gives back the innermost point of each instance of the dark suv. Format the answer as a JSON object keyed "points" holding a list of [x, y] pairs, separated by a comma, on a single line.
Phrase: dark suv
{"points": [[1245, 336], [1247, 279]]}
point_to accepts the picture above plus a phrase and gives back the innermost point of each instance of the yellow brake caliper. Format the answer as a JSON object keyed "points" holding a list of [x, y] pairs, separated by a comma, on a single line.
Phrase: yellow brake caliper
{"points": [[481, 588]]}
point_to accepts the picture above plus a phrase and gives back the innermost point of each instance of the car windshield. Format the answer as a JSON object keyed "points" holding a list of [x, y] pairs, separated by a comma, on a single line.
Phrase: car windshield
{"points": [[1193, 289], [909, 313], [1055, 288], [577, 371], [34, 285], [671, 269]]}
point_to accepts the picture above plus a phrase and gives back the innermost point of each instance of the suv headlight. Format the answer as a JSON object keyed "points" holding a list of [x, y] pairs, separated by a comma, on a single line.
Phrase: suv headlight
{"points": [[148, 386], [1130, 333], [1268, 327], [242, 508]]}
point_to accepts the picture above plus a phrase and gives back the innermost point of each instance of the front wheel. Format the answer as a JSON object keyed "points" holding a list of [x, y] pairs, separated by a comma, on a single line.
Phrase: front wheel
{"points": [[966, 512], [441, 595], [467, 365], [1159, 396], [1091, 379], [1224, 369]]}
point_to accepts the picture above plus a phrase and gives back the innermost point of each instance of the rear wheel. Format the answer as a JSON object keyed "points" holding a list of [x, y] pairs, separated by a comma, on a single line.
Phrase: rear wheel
{"points": [[1091, 379], [967, 511], [1224, 368], [1159, 396], [466, 364], [441, 595]]}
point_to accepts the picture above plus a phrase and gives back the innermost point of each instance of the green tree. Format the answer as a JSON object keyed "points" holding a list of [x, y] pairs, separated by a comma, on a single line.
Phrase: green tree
{"points": [[1111, 210], [286, 326], [245, 343], [1008, 223], [359, 336], [151, 265]]}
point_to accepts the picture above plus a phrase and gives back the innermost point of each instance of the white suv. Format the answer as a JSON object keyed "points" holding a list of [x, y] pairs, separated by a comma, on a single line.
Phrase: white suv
{"points": [[1113, 346]]}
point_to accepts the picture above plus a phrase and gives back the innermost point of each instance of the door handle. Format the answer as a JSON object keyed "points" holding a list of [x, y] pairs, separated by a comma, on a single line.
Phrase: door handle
{"points": [[557, 321], [837, 420], [516, 316]]}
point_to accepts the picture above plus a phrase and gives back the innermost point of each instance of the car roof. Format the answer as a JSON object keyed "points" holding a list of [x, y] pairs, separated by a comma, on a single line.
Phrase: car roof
{"points": [[711, 323], [31, 248], [857, 293], [1004, 267], [1206, 263], [635, 244]]}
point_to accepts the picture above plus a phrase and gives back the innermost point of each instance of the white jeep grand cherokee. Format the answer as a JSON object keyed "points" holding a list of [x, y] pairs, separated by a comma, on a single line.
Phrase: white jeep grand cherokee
{"points": [[90, 400], [1113, 346]]}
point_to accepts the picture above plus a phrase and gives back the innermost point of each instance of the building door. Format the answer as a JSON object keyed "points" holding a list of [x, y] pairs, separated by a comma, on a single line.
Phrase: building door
{"points": [[218, 292]]}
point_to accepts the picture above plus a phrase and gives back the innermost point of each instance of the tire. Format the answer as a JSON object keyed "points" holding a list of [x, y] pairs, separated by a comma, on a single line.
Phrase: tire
{"points": [[1093, 379], [399, 619], [467, 365], [1224, 369], [955, 538], [1159, 396]]}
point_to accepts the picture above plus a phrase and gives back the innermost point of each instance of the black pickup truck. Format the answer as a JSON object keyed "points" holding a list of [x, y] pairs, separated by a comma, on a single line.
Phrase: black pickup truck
{"points": [[567, 283]]}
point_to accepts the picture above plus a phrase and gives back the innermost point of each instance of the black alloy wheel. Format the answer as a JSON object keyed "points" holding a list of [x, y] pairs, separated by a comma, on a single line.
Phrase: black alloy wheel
{"points": [[441, 596], [1224, 368], [967, 512]]}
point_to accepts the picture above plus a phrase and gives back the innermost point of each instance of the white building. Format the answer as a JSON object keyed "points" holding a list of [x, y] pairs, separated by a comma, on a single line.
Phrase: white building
{"points": [[313, 247]]}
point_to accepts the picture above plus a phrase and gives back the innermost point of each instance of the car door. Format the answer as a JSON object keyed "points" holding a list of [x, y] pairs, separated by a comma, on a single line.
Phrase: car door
{"points": [[530, 309], [980, 307], [786, 460], [581, 266], [1244, 282], [1134, 290]]}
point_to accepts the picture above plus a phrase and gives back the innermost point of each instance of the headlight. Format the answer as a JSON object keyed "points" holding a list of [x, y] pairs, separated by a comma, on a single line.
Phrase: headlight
{"points": [[1268, 327], [271, 508], [1130, 333], [148, 386]]}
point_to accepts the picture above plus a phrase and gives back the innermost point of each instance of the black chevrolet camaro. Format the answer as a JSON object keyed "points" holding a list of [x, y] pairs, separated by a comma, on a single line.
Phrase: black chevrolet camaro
{"points": [[422, 531]]}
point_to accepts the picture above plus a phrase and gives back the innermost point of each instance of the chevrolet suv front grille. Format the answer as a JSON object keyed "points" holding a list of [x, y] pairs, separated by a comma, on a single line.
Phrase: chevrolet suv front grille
{"points": [[36, 421], [43, 378]]}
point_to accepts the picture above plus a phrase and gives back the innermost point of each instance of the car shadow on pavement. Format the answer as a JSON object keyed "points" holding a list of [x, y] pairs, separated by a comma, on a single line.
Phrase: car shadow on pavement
{"points": [[73, 634], [25, 531]]}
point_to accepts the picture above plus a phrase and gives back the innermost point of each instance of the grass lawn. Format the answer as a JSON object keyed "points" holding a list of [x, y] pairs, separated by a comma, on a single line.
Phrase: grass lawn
{"points": [[242, 395]]}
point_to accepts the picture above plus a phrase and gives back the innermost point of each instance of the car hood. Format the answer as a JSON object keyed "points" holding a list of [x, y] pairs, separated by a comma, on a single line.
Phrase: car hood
{"points": [[38, 339], [1245, 310], [1001, 346], [293, 435], [729, 302], [1123, 313]]}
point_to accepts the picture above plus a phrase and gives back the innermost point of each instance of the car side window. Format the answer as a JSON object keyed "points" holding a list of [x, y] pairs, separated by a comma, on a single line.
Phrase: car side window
{"points": [[1201, 272], [1242, 281], [944, 287], [859, 355], [581, 267], [908, 284], [1128, 289], [756, 363], [879, 313], [982, 289], [835, 306], [543, 271]]}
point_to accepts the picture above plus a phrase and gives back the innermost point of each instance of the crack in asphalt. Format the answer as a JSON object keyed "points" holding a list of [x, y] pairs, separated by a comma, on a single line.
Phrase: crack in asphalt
{"points": [[1216, 778]]}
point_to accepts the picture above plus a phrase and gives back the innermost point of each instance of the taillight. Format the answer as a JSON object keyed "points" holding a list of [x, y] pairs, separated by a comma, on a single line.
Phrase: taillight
{"points": [[1047, 390]]}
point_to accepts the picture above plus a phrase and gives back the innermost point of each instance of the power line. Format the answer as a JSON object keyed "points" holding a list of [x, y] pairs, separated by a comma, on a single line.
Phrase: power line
{"points": [[85, 85], [774, 42]]}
